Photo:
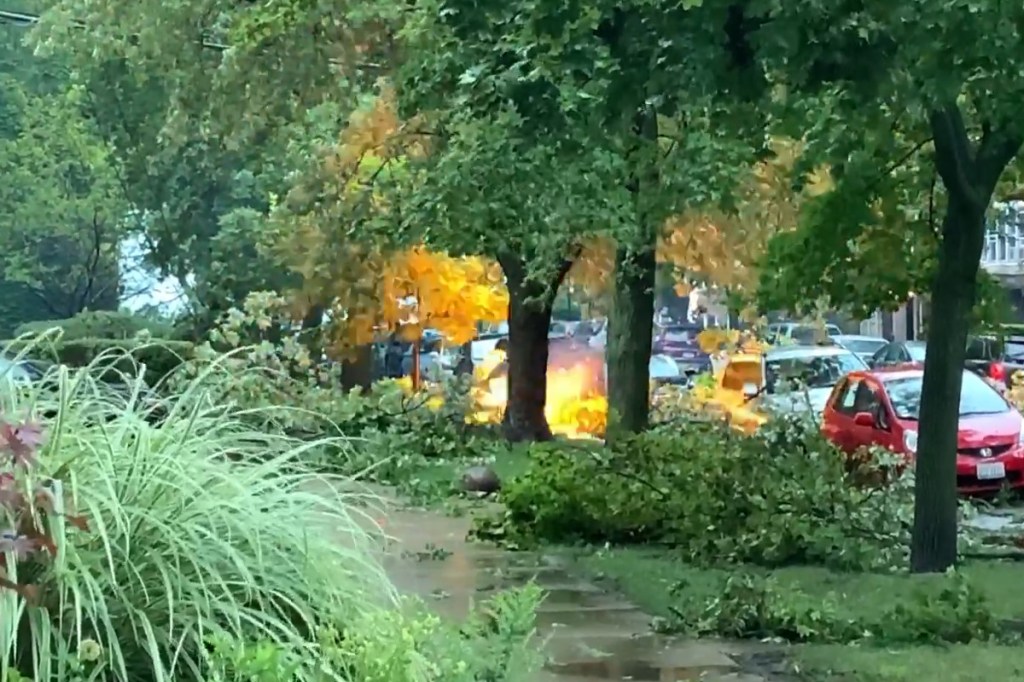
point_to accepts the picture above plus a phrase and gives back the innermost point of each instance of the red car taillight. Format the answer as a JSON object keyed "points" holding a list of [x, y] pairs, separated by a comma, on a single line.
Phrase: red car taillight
{"points": [[997, 372]]}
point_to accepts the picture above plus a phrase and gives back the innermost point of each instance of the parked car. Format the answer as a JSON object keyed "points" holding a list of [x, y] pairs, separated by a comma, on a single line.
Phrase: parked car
{"points": [[484, 344], [560, 330], [802, 377], [20, 371], [985, 356], [864, 346], [433, 361], [679, 342], [881, 407], [800, 332], [898, 353], [752, 386]]}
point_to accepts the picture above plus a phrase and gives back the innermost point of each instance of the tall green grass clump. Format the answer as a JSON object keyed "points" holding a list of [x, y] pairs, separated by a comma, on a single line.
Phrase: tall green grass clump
{"points": [[130, 544]]}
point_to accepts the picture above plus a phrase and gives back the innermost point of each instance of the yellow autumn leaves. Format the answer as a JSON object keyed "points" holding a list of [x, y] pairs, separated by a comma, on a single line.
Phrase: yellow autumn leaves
{"points": [[424, 289], [719, 245]]}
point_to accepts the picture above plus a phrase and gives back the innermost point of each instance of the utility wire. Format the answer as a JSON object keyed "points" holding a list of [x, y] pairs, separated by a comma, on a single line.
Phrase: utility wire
{"points": [[22, 20], [17, 18], [25, 20]]}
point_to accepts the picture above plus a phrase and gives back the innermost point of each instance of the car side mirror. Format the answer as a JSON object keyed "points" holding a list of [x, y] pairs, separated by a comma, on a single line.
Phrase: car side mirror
{"points": [[750, 390], [864, 419]]}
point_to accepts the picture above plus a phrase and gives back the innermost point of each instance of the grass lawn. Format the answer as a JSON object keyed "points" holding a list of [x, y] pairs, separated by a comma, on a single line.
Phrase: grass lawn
{"points": [[959, 663], [646, 575]]}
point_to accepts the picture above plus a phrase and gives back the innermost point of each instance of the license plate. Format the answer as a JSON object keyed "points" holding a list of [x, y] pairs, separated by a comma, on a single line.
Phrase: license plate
{"points": [[689, 355], [991, 470]]}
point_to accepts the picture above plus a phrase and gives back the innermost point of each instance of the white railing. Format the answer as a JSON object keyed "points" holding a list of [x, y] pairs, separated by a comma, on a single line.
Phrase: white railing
{"points": [[1003, 252]]}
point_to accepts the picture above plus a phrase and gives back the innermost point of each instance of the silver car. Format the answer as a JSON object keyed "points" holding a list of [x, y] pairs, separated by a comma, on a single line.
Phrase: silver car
{"points": [[802, 377], [864, 346]]}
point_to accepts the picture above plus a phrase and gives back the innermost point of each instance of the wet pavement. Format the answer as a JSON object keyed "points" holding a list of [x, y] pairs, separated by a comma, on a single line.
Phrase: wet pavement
{"points": [[591, 635]]}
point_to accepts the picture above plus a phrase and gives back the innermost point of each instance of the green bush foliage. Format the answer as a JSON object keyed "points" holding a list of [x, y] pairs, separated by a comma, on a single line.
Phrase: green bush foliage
{"points": [[169, 538], [161, 358], [390, 434], [495, 644], [101, 324], [755, 606], [780, 497]]}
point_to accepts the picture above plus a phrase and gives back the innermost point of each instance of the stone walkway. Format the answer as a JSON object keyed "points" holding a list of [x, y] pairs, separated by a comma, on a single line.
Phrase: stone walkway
{"points": [[590, 635]]}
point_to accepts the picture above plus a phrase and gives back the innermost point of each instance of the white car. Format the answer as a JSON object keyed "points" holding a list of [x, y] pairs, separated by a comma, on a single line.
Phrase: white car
{"points": [[815, 369], [864, 346], [801, 332]]}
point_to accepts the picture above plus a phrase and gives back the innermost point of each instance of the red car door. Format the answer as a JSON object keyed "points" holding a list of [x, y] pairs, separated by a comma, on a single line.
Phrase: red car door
{"points": [[870, 400], [837, 424]]}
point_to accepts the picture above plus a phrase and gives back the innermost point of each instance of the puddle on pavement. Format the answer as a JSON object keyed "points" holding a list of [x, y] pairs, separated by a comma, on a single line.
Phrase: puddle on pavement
{"points": [[631, 670], [589, 634]]}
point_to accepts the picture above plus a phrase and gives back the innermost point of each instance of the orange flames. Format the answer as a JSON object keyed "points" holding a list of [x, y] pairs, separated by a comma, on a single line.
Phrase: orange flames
{"points": [[576, 406]]}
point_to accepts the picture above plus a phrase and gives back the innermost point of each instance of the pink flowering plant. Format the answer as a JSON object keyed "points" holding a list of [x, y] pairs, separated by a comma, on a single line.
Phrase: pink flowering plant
{"points": [[27, 504]]}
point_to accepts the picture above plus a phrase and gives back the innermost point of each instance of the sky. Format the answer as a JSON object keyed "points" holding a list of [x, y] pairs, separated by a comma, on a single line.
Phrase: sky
{"points": [[143, 286]]}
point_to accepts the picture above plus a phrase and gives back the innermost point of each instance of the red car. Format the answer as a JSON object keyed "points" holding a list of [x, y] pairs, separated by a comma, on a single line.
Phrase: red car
{"points": [[880, 407]]}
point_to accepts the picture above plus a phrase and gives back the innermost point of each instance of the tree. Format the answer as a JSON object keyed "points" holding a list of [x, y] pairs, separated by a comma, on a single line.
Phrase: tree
{"points": [[529, 97], [905, 95], [368, 284], [62, 211], [208, 118]]}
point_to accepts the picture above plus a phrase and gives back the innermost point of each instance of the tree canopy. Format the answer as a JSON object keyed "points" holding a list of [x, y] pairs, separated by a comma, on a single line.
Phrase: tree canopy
{"points": [[61, 207]]}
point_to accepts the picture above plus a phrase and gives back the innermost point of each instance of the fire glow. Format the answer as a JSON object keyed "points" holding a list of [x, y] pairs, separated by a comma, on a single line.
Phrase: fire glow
{"points": [[576, 406]]}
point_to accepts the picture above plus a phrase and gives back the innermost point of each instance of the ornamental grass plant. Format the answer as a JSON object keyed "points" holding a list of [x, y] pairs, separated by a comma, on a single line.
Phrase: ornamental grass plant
{"points": [[135, 530]]}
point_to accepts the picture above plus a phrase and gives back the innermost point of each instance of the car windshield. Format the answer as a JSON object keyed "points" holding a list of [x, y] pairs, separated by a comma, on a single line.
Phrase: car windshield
{"points": [[811, 371], [809, 334], [681, 334], [976, 397], [868, 346]]}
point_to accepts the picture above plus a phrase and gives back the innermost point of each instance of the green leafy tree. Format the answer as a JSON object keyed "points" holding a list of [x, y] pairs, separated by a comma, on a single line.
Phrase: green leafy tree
{"points": [[929, 91], [555, 123], [207, 120], [62, 211]]}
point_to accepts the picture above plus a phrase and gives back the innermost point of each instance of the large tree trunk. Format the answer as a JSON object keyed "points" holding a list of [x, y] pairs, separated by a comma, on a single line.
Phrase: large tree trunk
{"points": [[358, 370], [969, 175], [630, 336], [934, 546], [529, 318], [631, 323]]}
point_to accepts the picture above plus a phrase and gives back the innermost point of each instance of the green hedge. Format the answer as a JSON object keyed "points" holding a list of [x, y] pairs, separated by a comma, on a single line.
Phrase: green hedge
{"points": [[101, 324], [161, 357]]}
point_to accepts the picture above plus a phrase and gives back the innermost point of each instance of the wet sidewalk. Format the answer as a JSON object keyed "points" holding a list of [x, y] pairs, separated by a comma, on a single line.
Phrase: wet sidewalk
{"points": [[591, 635]]}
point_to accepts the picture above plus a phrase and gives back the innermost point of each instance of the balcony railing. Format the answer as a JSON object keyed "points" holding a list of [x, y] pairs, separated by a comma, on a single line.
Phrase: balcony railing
{"points": [[1003, 253]]}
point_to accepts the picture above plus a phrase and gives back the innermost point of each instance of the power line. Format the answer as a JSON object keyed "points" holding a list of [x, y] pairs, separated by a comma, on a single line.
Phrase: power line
{"points": [[23, 20], [18, 19]]}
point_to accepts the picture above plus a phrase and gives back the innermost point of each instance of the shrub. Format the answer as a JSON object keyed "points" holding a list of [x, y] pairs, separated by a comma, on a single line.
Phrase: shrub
{"points": [[750, 605], [496, 644], [164, 542], [102, 324], [120, 356], [781, 496]]}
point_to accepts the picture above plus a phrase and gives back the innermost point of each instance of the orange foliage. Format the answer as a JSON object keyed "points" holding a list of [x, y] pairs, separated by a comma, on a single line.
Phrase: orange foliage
{"points": [[721, 246], [369, 285]]}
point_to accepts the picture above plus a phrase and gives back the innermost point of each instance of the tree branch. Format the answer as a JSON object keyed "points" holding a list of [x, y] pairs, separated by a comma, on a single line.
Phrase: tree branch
{"points": [[92, 265], [953, 158], [995, 152], [931, 205]]}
